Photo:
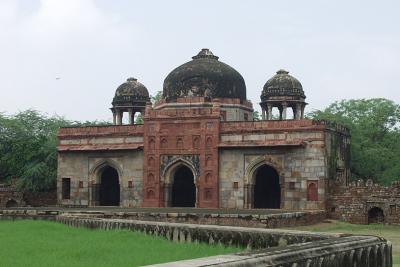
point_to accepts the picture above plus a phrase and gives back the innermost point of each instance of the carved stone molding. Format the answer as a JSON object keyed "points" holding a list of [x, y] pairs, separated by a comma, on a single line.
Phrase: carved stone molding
{"points": [[168, 160]]}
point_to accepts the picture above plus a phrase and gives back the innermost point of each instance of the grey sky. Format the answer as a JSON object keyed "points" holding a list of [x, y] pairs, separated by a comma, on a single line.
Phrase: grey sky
{"points": [[337, 49]]}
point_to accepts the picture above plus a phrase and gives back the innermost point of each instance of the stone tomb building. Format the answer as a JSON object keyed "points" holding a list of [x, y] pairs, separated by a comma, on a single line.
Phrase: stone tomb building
{"points": [[200, 147]]}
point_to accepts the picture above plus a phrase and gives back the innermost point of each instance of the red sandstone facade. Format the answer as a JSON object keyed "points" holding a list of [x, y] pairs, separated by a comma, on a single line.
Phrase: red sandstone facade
{"points": [[199, 146]]}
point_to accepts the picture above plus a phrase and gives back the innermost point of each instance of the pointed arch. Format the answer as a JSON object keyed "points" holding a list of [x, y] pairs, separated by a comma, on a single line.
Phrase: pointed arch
{"points": [[169, 176], [95, 180], [96, 169], [251, 173], [258, 162]]}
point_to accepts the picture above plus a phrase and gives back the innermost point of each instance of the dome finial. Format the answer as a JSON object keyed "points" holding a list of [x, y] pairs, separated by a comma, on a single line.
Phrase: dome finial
{"points": [[282, 71], [205, 53], [131, 79]]}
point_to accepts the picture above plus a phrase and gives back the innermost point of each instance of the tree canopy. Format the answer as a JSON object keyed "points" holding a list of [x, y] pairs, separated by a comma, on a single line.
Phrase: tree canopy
{"points": [[28, 148], [375, 136]]}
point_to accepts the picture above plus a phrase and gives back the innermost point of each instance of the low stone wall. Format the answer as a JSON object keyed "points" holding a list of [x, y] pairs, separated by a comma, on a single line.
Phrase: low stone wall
{"points": [[252, 238], [41, 199], [353, 203], [230, 219], [31, 214], [10, 197], [274, 220], [274, 247], [264, 247]]}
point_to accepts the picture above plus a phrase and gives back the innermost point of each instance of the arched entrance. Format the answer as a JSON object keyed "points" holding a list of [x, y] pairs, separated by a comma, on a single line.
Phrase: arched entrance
{"points": [[267, 190], [375, 215], [183, 192], [11, 203], [109, 187]]}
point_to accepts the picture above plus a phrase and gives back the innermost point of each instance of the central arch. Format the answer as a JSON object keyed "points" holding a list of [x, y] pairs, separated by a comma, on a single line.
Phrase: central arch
{"points": [[109, 187], [267, 189], [183, 193]]}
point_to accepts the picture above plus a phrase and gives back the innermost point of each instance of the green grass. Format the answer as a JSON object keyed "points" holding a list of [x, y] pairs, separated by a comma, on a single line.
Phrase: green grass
{"points": [[41, 243], [389, 232]]}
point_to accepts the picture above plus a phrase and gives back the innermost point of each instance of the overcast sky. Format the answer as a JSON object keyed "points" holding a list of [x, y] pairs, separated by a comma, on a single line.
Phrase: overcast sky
{"points": [[337, 49]]}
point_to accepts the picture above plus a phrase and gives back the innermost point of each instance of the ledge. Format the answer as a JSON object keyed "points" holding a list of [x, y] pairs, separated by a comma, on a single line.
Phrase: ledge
{"points": [[99, 147]]}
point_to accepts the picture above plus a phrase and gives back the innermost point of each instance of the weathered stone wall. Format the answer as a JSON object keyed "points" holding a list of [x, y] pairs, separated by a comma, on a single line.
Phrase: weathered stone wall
{"points": [[354, 202], [41, 199], [274, 247], [10, 197], [337, 147], [231, 109], [83, 168], [251, 238], [223, 157], [297, 166], [28, 214]]}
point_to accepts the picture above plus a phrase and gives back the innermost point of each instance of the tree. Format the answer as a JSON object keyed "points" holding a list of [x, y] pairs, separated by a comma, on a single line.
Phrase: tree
{"points": [[256, 115], [28, 149], [157, 97], [139, 119], [375, 134]]}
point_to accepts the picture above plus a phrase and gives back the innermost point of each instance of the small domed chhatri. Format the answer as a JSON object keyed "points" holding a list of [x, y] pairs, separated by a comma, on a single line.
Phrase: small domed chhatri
{"points": [[282, 84], [283, 91], [129, 92], [204, 76], [131, 97]]}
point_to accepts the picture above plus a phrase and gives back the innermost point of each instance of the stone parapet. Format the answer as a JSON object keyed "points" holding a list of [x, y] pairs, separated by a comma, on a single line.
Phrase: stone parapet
{"points": [[109, 130], [121, 137], [264, 247], [279, 125], [198, 99]]}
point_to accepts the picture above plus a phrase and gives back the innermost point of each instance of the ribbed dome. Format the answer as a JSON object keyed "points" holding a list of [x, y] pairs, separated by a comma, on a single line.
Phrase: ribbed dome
{"points": [[204, 76], [282, 84], [130, 92]]}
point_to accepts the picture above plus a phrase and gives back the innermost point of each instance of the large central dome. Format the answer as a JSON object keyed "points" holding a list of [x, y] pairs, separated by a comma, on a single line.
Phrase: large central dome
{"points": [[204, 76]]}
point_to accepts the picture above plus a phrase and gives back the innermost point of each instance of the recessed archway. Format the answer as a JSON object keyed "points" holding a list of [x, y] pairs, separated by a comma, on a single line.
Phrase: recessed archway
{"points": [[375, 215], [109, 187], [11, 203], [183, 193], [267, 190]]}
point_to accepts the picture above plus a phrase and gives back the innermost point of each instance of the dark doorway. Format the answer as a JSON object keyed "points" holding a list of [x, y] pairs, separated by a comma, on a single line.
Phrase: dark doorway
{"points": [[109, 187], [11, 203], [267, 191], [183, 188], [375, 215]]}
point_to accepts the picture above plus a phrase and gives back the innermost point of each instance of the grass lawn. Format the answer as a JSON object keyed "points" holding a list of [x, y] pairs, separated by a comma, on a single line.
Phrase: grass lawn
{"points": [[389, 232], [41, 243]]}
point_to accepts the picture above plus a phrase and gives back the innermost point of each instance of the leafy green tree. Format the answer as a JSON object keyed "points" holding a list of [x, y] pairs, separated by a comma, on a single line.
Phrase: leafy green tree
{"points": [[256, 115], [375, 135], [139, 119], [28, 149], [157, 97]]}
